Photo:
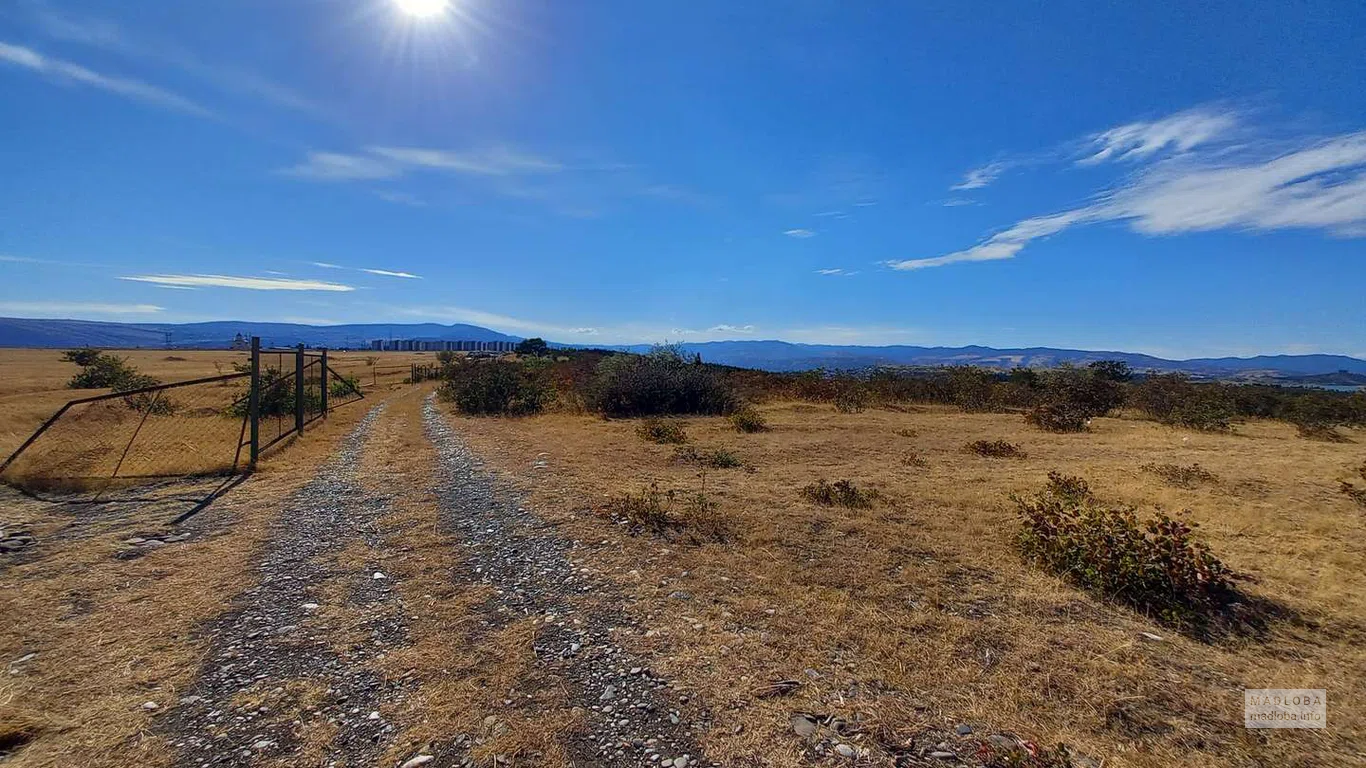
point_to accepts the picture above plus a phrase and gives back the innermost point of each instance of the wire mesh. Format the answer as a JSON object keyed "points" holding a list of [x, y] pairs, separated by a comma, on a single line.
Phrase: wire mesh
{"points": [[191, 428]]}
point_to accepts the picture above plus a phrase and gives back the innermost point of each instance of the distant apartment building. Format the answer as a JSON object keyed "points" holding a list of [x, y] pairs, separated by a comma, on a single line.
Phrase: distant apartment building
{"points": [[431, 345]]}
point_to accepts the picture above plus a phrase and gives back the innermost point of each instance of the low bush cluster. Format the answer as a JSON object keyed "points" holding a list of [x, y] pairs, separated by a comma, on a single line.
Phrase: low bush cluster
{"points": [[914, 460], [1172, 398], [996, 449], [718, 458], [696, 517], [101, 370], [494, 388], [660, 383], [1154, 565], [1181, 476], [841, 493], [662, 431], [748, 420]]}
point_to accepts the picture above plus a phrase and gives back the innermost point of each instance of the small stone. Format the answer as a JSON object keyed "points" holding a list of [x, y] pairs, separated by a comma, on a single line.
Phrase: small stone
{"points": [[844, 750], [150, 705], [309, 606], [803, 725], [414, 762], [608, 694], [1151, 636], [964, 730], [263, 744], [378, 576], [134, 541], [942, 755], [372, 716]]}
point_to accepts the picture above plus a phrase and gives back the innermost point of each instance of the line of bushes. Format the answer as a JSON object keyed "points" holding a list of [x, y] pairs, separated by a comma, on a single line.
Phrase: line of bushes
{"points": [[1064, 399]]}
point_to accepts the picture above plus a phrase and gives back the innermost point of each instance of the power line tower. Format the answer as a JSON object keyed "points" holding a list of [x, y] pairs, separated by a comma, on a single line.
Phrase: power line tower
{"points": [[168, 338]]}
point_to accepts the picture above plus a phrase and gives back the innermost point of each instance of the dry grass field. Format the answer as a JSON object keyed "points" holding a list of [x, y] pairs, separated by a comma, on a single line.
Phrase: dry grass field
{"points": [[916, 615], [910, 621], [33, 381]]}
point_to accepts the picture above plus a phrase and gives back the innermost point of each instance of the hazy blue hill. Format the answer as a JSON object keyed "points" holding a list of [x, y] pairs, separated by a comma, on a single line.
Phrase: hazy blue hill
{"points": [[18, 332], [768, 355]]}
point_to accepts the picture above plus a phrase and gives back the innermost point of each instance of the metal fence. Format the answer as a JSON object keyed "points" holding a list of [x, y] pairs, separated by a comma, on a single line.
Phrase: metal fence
{"points": [[212, 426]]}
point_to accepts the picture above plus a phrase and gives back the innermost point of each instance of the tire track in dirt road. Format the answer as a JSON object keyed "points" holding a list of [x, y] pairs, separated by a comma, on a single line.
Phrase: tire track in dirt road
{"points": [[275, 685], [627, 713]]}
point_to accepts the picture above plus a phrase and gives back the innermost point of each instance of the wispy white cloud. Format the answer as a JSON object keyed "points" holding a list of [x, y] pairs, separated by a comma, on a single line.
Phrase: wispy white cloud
{"points": [[1257, 186], [488, 161], [1180, 132], [392, 273], [73, 309], [981, 177], [111, 38], [326, 265], [247, 283], [742, 329], [61, 71], [334, 166], [400, 198], [955, 202], [832, 271], [392, 162], [801, 234]]}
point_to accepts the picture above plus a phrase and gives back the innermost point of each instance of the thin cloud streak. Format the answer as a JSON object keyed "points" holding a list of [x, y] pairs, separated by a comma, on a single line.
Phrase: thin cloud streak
{"points": [[246, 283], [800, 234], [66, 309], [60, 71], [390, 273]]}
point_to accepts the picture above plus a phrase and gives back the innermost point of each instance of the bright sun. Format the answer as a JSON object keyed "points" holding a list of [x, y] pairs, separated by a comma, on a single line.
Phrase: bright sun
{"points": [[421, 9]]}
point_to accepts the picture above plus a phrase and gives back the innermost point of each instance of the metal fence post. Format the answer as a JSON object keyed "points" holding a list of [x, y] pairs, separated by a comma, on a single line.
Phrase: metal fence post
{"points": [[299, 389], [254, 401], [324, 382]]}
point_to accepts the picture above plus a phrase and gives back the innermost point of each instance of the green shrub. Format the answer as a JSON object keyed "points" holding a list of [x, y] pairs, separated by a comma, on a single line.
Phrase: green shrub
{"points": [[104, 371], [662, 431], [973, 388], [1172, 398], [841, 493], [1058, 417], [495, 388], [1155, 565], [996, 449], [344, 386], [719, 458], [661, 383], [1181, 476], [748, 420]]}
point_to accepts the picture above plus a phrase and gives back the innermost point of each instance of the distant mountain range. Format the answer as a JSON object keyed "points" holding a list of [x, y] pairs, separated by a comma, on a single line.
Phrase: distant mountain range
{"points": [[18, 332], [766, 355]]}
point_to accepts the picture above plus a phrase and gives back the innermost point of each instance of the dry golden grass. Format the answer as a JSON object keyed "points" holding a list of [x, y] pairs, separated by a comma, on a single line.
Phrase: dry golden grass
{"points": [[111, 634], [33, 381], [918, 614]]}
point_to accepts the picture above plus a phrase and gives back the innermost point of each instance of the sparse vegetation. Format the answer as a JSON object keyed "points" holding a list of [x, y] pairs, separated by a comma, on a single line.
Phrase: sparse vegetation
{"points": [[653, 511], [718, 458], [100, 370], [662, 431], [906, 433], [748, 420], [996, 449], [914, 460], [841, 493], [1188, 476], [851, 397], [494, 388], [1156, 565]]}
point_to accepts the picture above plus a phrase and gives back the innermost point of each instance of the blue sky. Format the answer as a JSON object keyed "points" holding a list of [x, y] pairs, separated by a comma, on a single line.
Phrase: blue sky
{"points": [[1169, 177]]}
